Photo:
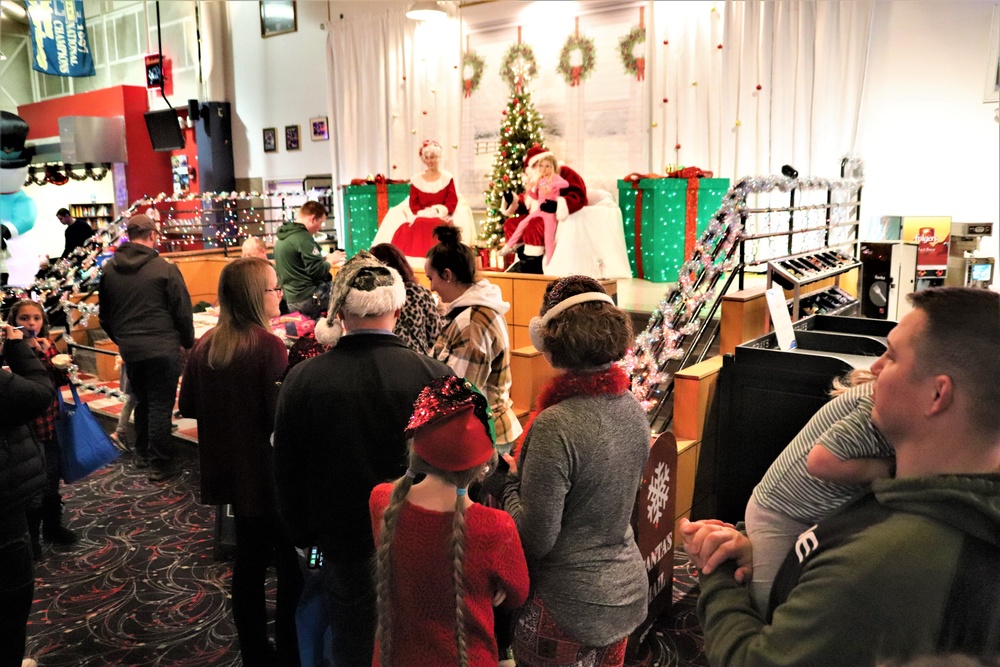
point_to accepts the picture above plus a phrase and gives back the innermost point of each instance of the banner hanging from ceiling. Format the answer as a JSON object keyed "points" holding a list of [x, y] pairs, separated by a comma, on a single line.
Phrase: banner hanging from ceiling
{"points": [[59, 44]]}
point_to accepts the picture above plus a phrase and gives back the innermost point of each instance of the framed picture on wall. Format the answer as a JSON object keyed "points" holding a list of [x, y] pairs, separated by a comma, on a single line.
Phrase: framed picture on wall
{"points": [[270, 140], [320, 131], [277, 17], [292, 138]]}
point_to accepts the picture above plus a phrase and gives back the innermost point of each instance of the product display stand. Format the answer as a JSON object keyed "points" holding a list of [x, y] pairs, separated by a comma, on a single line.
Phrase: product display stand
{"points": [[799, 272]]}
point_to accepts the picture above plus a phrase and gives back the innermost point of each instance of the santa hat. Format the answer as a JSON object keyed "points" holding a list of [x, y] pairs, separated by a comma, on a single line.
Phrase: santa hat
{"points": [[534, 154], [364, 287], [452, 425]]}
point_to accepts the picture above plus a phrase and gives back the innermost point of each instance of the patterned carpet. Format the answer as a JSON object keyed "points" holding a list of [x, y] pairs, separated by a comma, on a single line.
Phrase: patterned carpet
{"points": [[142, 588]]}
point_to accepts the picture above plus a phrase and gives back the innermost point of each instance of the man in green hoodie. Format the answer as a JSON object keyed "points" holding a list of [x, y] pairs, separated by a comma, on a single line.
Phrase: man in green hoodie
{"points": [[911, 567], [303, 270]]}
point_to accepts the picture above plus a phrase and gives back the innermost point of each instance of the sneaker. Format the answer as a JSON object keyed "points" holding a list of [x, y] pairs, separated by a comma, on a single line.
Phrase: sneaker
{"points": [[140, 462], [58, 534], [162, 474]]}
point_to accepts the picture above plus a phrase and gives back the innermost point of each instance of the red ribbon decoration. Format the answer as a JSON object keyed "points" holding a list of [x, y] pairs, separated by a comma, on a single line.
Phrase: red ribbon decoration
{"points": [[381, 183], [640, 64], [690, 217], [575, 75], [635, 177], [468, 87]]}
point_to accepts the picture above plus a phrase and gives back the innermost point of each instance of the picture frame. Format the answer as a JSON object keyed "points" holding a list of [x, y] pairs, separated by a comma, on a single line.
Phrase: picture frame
{"points": [[278, 17], [270, 140], [292, 138], [319, 128]]}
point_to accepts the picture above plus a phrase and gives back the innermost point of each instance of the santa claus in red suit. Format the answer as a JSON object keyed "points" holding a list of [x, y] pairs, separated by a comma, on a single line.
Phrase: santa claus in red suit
{"points": [[572, 197]]}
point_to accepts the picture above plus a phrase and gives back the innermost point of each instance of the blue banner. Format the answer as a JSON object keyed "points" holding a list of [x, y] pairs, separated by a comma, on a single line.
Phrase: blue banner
{"points": [[59, 44]]}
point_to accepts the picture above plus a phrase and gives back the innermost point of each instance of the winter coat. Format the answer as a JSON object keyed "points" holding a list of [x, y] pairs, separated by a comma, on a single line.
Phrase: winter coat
{"points": [[144, 304]]}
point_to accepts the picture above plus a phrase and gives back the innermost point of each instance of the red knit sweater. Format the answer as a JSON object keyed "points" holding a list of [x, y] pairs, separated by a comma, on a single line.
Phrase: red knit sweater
{"points": [[423, 602]]}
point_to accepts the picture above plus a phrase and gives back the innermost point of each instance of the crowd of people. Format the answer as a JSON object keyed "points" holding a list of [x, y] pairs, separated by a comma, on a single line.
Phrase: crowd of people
{"points": [[452, 536]]}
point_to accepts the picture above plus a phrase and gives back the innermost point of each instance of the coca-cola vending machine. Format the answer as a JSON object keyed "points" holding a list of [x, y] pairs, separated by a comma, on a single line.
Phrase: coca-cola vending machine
{"points": [[889, 273]]}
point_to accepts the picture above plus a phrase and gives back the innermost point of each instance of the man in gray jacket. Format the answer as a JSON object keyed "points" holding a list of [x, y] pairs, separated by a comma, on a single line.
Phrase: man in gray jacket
{"points": [[146, 310]]}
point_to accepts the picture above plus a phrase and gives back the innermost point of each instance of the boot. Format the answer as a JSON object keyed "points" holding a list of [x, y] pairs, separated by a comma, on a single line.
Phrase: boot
{"points": [[52, 529], [34, 515]]}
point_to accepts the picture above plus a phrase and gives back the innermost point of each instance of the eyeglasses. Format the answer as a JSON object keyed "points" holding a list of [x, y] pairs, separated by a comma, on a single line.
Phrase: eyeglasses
{"points": [[273, 289]]}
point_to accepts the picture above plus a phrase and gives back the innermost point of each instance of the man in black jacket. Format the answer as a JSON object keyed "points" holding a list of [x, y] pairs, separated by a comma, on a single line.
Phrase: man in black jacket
{"points": [[146, 310], [77, 231], [25, 392], [339, 431]]}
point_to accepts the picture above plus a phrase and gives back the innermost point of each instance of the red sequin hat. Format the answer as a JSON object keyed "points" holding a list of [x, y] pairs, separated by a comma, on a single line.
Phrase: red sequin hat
{"points": [[452, 425]]}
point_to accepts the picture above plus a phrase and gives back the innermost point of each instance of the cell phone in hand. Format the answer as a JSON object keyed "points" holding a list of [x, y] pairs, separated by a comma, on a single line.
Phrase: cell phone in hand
{"points": [[315, 558]]}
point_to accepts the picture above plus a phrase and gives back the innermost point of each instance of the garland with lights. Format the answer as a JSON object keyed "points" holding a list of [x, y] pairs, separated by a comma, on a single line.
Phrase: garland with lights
{"points": [[572, 74], [679, 313], [522, 127], [626, 46], [470, 84], [518, 66]]}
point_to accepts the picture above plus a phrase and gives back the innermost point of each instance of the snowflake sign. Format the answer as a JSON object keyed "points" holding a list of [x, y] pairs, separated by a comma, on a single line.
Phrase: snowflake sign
{"points": [[658, 493]]}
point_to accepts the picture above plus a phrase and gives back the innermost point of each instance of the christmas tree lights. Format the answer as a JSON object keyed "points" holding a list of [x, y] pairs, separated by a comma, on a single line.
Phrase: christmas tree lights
{"points": [[521, 128]]}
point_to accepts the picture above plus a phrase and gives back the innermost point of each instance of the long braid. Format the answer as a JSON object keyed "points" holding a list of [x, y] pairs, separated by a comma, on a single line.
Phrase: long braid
{"points": [[383, 571], [458, 574]]}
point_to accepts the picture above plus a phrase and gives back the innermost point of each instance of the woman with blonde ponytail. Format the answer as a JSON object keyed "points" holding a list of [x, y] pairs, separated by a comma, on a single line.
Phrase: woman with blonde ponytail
{"points": [[442, 561]]}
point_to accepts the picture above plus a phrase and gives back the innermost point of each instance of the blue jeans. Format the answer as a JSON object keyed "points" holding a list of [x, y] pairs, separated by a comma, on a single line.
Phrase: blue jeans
{"points": [[350, 591], [17, 585], [154, 383]]}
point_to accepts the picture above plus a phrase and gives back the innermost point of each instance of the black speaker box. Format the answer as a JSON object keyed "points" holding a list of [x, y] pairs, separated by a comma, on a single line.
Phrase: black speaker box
{"points": [[214, 134]]}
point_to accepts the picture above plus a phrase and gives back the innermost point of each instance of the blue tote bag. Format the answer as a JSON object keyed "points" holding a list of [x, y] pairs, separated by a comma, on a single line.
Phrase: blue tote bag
{"points": [[84, 444]]}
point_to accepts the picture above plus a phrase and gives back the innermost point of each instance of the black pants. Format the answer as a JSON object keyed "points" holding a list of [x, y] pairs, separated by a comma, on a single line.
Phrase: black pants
{"points": [[259, 541], [350, 592], [154, 383], [17, 586]]}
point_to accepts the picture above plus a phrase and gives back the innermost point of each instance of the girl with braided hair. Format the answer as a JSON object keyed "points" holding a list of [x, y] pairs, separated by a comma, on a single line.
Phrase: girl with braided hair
{"points": [[442, 561]]}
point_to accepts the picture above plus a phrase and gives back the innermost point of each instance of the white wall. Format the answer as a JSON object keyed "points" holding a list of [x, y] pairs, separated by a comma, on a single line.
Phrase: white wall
{"points": [[278, 81], [930, 144]]}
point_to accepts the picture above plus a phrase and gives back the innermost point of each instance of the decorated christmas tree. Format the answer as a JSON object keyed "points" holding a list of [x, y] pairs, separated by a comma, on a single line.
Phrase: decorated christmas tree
{"points": [[521, 128]]}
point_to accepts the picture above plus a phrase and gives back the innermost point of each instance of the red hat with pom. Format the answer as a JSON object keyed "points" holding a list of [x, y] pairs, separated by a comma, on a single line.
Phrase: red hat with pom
{"points": [[452, 425], [534, 154]]}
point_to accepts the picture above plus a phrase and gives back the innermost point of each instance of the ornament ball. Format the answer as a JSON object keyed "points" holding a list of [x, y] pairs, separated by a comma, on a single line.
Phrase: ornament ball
{"points": [[758, 86], [665, 100], [677, 147]]}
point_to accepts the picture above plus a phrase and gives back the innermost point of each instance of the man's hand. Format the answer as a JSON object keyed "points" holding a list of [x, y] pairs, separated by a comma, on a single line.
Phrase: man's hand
{"points": [[336, 258], [711, 542], [10, 333], [549, 206]]}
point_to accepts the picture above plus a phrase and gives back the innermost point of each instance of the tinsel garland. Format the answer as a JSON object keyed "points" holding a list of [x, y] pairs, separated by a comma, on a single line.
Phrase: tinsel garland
{"points": [[679, 313]]}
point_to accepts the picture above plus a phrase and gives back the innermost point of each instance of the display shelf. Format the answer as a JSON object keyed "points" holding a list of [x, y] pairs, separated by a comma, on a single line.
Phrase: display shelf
{"points": [[797, 272], [97, 215], [830, 301]]}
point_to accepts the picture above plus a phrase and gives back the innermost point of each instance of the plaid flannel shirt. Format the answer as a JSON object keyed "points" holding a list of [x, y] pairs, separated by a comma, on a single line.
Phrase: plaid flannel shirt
{"points": [[475, 345], [44, 426]]}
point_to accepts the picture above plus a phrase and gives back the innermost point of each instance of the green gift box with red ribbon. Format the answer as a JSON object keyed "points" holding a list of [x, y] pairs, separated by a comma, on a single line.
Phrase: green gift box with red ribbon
{"points": [[664, 216], [366, 201]]}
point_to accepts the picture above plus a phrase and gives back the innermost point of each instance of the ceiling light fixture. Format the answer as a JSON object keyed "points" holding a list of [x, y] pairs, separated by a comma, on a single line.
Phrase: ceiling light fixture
{"points": [[425, 11], [14, 8]]}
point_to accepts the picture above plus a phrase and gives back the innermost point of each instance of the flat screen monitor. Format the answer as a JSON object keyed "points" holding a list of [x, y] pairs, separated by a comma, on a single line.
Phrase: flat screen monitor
{"points": [[164, 130], [981, 272]]}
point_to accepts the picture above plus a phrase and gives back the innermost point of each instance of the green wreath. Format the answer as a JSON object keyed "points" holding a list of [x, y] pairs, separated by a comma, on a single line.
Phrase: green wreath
{"points": [[585, 45], [627, 44], [476, 62], [507, 66]]}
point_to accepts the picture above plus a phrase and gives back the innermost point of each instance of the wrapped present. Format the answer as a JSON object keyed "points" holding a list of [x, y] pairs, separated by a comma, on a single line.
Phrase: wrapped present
{"points": [[366, 201], [663, 217]]}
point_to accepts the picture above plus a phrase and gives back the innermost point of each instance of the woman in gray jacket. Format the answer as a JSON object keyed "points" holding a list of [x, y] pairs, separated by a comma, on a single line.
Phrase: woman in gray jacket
{"points": [[573, 487]]}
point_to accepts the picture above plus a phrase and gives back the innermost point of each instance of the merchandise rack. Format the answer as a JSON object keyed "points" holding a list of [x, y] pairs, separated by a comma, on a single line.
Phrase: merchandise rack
{"points": [[98, 215], [799, 271]]}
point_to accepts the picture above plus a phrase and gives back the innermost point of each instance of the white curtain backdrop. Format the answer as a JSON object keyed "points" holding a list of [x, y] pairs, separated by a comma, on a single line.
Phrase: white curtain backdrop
{"points": [[394, 83], [809, 59]]}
